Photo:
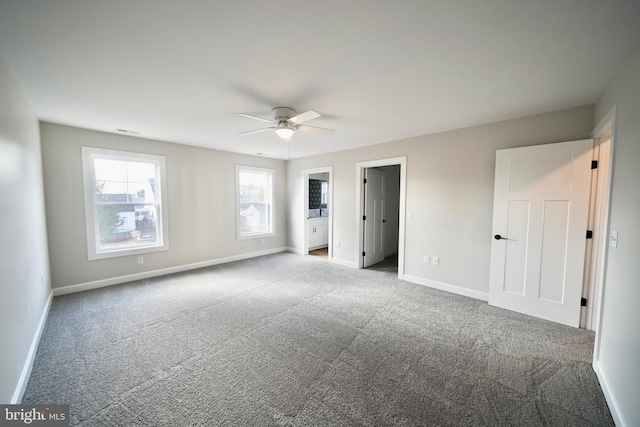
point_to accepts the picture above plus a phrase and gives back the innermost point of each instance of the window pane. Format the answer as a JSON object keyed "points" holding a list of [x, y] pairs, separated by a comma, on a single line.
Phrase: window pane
{"points": [[253, 186], [255, 218], [111, 191], [110, 170], [125, 181], [127, 225], [141, 192]]}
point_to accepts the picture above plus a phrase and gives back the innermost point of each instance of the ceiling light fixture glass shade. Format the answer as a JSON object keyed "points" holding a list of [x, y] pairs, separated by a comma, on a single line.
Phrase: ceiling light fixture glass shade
{"points": [[284, 131]]}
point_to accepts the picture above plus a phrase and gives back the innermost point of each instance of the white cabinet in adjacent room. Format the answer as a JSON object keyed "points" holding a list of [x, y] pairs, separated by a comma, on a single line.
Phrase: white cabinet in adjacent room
{"points": [[318, 232]]}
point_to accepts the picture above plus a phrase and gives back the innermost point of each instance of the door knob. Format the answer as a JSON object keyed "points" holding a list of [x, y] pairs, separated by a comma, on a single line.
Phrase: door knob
{"points": [[499, 237]]}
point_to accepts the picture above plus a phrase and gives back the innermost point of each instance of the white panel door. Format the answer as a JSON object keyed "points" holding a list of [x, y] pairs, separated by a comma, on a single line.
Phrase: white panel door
{"points": [[540, 212], [374, 212]]}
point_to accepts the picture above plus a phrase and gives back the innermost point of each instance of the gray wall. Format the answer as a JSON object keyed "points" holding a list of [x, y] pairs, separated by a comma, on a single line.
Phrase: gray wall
{"points": [[449, 192], [24, 263], [201, 198], [618, 358]]}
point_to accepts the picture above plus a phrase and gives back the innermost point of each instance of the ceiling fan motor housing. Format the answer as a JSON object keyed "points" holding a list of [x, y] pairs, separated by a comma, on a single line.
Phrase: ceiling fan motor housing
{"points": [[283, 113]]}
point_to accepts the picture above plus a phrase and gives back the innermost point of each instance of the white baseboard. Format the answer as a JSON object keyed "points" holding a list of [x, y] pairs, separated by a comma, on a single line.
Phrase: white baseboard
{"points": [[161, 272], [31, 355], [295, 250], [483, 296], [618, 419], [344, 263]]}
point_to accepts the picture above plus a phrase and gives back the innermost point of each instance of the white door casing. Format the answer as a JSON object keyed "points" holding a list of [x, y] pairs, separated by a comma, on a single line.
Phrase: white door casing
{"points": [[541, 208], [374, 212], [361, 167]]}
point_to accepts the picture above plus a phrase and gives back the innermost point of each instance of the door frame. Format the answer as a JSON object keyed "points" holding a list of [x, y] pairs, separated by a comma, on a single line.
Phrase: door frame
{"points": [[605, 129], [360, 167], [305, 211], [598, 217]]}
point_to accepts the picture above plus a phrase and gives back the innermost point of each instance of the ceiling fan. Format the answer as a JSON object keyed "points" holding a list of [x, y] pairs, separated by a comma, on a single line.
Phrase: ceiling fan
{"points": [[286, 121]]}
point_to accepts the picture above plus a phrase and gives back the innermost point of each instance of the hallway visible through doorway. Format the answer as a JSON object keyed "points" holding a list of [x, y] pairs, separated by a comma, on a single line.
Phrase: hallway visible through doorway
{"points": [[389, 264]]}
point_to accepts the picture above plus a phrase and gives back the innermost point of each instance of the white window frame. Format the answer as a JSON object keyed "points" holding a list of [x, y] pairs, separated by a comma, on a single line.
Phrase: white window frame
{"points": [[91, 210], [272, 222]]}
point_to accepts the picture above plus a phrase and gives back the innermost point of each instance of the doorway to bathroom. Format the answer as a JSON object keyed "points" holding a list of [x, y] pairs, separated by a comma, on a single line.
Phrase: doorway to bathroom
{"points": [[318, 224]]}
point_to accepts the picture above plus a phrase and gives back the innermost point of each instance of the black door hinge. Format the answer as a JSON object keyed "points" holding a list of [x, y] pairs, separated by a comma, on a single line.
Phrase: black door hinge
{"points": [[364, 181], [364, 217], [583, 302], [363, 253], [594, 164], [589, 234]]}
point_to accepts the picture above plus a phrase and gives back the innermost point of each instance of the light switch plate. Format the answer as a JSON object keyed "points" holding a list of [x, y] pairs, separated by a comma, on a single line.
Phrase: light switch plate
{"points": [[614, 238]]}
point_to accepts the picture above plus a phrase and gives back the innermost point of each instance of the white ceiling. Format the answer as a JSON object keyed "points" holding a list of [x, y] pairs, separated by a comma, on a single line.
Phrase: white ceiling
{"points": [[377, 71]]}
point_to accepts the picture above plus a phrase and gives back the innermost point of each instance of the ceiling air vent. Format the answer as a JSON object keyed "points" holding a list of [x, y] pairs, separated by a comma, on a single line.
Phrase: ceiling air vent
{"points": [[128, 131]]}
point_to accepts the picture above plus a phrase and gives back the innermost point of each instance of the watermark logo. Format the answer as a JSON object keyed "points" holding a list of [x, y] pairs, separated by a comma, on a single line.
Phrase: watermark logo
{"points": [[34, 415]]}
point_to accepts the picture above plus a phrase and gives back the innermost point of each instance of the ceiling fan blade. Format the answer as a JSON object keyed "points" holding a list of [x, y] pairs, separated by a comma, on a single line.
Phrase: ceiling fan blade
{"points": [[303, 117], [255, 117], [255, 131], [315, 129]]}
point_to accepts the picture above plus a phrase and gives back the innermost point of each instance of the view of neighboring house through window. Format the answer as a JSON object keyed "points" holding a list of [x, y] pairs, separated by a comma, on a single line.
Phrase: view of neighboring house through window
{"points": [[123, 202], [254, 187]]}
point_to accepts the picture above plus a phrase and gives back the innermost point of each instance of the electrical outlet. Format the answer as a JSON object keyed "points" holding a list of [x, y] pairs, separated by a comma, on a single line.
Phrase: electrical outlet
{"points": [[436, 260], [427, 259], [140, 260]]}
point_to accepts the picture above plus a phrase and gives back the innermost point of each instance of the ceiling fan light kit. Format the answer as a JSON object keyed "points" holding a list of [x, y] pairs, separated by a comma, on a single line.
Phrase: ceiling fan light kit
{"points": [[284, 131], [286, 122]]}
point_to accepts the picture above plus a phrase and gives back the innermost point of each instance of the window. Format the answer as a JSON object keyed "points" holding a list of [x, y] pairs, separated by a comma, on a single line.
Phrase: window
{"points": [[255, 210], [124, 203]]}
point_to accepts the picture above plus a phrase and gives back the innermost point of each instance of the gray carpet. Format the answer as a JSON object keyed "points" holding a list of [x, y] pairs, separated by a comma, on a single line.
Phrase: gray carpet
{"points": [[292, 340], [389, 264]]}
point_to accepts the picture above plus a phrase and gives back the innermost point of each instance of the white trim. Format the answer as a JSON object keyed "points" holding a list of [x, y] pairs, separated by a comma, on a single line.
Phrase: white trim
{"points": [[598, 220], [31, 355], [344, 263], [605, 129], [618, 419], [271, 173], [161, 272], [483, 296], [90, 207], [360, 167], [295, 250]]}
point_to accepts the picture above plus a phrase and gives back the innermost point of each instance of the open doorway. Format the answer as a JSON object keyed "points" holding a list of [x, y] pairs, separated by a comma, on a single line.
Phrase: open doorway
{"points": [[381, 187], [318, 211], [382, 211]]}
